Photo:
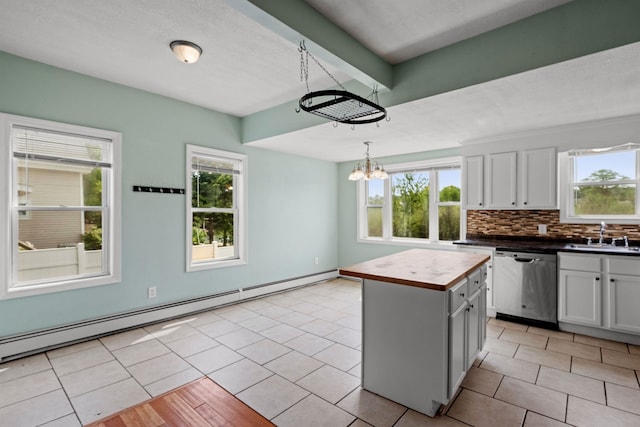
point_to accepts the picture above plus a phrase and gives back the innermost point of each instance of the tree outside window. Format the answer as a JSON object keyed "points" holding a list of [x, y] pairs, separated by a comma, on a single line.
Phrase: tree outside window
{"points": [[216, 213], [417, 204], [603, 184]]}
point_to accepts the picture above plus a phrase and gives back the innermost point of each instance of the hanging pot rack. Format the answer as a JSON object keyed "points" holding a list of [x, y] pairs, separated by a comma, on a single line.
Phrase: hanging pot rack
{"points": [[340, 106]]}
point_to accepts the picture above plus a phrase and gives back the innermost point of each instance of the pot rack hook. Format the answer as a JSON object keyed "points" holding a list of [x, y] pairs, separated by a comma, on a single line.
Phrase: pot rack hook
{"points": [[302, 47]]}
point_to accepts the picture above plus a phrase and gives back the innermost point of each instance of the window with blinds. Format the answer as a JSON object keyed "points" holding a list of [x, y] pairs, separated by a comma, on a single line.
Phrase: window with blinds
{"points": [[62, 198], [216, 208]]}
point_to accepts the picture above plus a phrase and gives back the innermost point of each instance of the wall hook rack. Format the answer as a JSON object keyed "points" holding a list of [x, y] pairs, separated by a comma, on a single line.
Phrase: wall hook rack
{"points": [[163, 190]]}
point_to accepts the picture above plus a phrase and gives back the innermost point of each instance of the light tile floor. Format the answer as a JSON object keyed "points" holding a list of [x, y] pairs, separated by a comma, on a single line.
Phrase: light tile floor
{"points": [[295, 358]]}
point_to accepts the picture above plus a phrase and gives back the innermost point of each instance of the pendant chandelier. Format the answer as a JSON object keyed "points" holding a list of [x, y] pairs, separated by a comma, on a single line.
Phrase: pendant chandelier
{"points": [[368, 169], [340, 106]]}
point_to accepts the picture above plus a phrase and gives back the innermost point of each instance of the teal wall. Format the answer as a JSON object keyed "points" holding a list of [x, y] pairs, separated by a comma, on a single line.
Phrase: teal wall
{"points": [[350, 250], [292, 200]]}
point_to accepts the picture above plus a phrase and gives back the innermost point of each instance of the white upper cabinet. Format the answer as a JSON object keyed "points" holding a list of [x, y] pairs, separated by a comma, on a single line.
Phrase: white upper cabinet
{"points": [[473, 179], [512, 180], [501, 180], [538, 183]]}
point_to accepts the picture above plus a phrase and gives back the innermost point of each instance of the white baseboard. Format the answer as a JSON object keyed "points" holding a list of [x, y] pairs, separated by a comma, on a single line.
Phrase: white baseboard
{"points": [[13, 347]]}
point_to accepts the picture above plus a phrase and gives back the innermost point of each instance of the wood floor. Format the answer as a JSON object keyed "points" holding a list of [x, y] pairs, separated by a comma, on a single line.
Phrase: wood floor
{"points": [[201, 403]]}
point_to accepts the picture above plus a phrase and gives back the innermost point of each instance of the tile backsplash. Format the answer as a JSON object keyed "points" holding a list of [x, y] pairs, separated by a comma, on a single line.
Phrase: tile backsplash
{"points": [[524, 223]]}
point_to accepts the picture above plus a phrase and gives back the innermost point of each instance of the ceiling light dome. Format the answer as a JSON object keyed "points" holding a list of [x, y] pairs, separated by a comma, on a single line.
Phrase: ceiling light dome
{"points": [[185, 51]]}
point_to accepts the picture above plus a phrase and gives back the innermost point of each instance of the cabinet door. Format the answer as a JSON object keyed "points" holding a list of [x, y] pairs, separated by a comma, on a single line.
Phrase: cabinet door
{"points": [[624, 295], [580, 297], [473, 179], [490, 300], [483, 316], [538, 183], [501, 188], [474, 325], [457, 353]]}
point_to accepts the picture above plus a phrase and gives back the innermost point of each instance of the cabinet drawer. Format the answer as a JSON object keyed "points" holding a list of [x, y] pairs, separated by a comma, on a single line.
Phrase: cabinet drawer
{"points": [[476, 279], [624, 265], [591, 263], [457, 294]]}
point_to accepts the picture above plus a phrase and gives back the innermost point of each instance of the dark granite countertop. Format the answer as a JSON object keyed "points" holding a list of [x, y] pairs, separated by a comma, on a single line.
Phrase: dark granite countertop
{"points": [[545, 245]]}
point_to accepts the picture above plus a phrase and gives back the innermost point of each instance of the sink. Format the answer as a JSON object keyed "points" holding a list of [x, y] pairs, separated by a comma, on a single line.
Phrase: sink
{"points": [[604, 247], [592, 245]]}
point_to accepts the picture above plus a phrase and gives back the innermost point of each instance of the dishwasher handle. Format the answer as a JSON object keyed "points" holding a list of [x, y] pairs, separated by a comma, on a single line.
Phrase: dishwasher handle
{"points": [[527, 260]]}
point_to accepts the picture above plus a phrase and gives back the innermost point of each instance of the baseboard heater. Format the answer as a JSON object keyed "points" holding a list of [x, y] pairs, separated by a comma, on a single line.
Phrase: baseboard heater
{"points": [[21, 345]]}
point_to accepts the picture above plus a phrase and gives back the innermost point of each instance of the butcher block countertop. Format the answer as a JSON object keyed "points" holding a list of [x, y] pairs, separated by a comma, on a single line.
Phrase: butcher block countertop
{"points": [[423, 268]]}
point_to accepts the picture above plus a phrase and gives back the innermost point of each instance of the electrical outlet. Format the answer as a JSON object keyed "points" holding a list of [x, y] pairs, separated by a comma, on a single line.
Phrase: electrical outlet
{"points": [[152, 292], [542, 228], [317, 260]]}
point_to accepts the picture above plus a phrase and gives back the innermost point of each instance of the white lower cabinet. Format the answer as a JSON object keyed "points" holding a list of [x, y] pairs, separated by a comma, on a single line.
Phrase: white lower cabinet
{"points": [[476, 322], [417, 343], [457, 356], [467, 328], [601, 291], [624, 294], [580, 297]]}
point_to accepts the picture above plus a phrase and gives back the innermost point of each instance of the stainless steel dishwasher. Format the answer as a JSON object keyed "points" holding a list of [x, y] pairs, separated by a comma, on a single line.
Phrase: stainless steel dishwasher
{"points": [[525, 286]]}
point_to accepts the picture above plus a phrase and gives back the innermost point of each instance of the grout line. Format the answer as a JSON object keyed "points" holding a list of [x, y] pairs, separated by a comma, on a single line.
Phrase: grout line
{"points": [[400, 417]]}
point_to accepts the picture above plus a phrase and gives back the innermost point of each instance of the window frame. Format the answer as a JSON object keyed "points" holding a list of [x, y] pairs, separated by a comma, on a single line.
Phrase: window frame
{"points": [[10, 217], [432, 166], [566, 184], [239, 209]]}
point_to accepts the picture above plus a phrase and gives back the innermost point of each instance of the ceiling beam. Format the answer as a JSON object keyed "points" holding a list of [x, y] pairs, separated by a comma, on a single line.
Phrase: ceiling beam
{"points": [[573, 30], [570, 31], [296, 21]]}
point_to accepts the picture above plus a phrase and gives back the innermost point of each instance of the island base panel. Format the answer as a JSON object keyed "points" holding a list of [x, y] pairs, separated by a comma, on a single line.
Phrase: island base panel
{"points": [[405, 341]]}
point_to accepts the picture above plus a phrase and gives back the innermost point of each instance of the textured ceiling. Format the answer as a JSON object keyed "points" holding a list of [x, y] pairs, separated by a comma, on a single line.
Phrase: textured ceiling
{"points": [[398, 31], [248, 67]]}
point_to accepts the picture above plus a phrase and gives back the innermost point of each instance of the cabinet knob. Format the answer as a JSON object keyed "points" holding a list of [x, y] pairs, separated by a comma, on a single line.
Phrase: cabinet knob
{"points": [[462, 294], [612, 280], [597, 278], [525, 203], [480, 204], [513, 203]]}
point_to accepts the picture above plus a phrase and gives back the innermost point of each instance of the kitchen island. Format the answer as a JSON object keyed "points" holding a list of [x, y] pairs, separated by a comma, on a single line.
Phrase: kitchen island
{"points": [[423, 324]]}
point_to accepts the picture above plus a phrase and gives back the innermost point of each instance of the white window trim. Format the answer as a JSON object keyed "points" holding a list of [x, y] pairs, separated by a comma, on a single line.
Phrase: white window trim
{"points": [[387, 238], [241, 199], [565, 174], [7, 251]]}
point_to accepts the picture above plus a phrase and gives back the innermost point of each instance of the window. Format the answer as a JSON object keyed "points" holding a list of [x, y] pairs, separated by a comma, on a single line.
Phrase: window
{"points": [[60, 187], [419, 202], [601, 184], [216, 208]]}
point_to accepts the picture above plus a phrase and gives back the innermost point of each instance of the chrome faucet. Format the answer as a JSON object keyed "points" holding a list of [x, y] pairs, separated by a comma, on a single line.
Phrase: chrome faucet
{"points": [[603, 227]]}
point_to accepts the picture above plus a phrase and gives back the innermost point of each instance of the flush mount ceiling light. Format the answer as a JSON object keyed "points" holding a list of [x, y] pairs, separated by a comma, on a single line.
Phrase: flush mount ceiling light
{"points": [[341, 106], [185, 51], [368, 169]]}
